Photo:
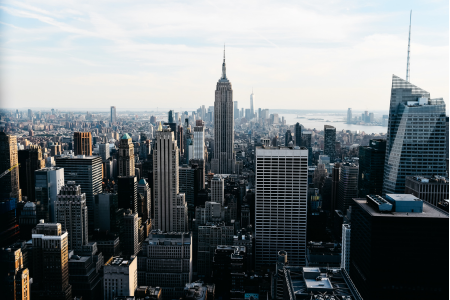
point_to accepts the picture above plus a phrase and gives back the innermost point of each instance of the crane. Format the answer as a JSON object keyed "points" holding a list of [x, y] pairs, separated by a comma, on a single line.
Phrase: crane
{"points": [[9, 170]]}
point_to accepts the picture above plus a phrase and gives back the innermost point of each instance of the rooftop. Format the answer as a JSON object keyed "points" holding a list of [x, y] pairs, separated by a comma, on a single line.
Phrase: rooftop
{"points": [[429, 211], [126, 136]]}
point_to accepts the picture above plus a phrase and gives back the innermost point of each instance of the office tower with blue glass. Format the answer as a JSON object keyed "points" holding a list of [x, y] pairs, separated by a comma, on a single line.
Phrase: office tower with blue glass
{"points": [[416, 140], [329, 147]]}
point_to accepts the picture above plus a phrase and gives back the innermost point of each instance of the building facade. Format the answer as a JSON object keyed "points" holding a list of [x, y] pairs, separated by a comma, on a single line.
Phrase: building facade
{"points": [[48, 183], [348, 185], [371, 168], [199, 140], [9, 158], [224, 159], [329, 146], [82, 142], [72, 214], [113, 117], [432, 189], [280, 203], [126, 156], [409, 150], [120, 277]]}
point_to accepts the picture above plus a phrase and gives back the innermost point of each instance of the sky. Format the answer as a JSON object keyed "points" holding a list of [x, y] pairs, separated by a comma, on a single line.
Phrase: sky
{"points": [[329, 54]]}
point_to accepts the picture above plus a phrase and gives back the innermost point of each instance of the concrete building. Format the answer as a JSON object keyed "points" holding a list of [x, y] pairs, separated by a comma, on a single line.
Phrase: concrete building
{"points": [[87, 172], [432, 189], [171, 211], [409, 150], [166, 262], [119, 277], [126, 156], [82, 143], [211, 235], [217, 189], [72, 214], [404, 227], [50, 262], [224, 158], [280, 203], [48, 184], [129, 235], [9, 158]]}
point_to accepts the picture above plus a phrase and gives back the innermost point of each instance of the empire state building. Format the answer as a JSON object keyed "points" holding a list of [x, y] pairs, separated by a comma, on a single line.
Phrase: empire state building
{"points": [[224, 159]]}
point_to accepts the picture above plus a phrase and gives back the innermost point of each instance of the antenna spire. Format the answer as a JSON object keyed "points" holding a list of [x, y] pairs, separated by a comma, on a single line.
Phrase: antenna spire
{"points": [[409, 45], [224, 68]]}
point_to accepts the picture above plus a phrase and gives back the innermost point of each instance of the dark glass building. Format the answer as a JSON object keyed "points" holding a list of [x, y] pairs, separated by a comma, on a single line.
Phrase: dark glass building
{"points": [[371, 168], [127, 192], [298, 134], [416, 140], [329, 147], [396, 253]]}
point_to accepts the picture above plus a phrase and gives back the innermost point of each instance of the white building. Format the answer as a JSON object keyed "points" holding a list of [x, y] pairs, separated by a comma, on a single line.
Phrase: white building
{"points": [[281, 204], [72, 214], [171, 212], [199, 141], [119, 277], [217, 189], [345, 256], [104, 150]]}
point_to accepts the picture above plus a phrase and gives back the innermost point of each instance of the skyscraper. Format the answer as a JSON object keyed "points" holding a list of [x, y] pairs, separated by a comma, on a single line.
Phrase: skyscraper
{"points": [[104, 151], [280, 204], [120, 277], [298, 134], [287, 138], [82, 143], [171, 115], [30, 160], [348, 186], [329, 142], [126, 156], [199, 140], [72, 214], [129, 237], [416, 140], [87, 172], [127, 192], [50, 262], [371, 168], [217, 189], [10, 187], [236, 110], [113, 114], [48, 184], [170, 207], [224, 159], [349, 116], [405, 228]]}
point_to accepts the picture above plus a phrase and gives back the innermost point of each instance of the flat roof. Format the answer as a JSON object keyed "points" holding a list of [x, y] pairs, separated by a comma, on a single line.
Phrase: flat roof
{"points": [[403, 197], [429, 211], [324, 283]]}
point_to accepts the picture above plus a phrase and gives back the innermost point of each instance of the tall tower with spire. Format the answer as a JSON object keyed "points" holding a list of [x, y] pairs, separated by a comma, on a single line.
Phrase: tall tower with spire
{"points": [[252, 109], [224, 159]]}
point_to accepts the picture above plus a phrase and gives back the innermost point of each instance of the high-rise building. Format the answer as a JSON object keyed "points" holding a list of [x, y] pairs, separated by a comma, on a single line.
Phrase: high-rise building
{"points": [[287, 138], [87, 172], [335, 175], [345, 256], [120, 277], [126, 156], [166, 261], [113, 114], [9, 158], [15, 276], [236, 110], [82, 142], [108, 214], [349, 116], [252, 109], [30, 160], [406, 228], [8, 222], [432, 189], [50, 269], [371, 168], [72, 214], [298, 134], [348, 185], [329, 147], [129, 235], [104, 151], [190, 185], [127, 192], [224, 159], [280, 203], [218, 189], [48, 183], [410, 151], [145, 205], [306, 142], [199, 140], [171, 212]]}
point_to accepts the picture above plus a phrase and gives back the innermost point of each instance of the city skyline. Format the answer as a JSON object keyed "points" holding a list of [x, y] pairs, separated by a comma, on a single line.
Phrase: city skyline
{"points": [[88, 57]]}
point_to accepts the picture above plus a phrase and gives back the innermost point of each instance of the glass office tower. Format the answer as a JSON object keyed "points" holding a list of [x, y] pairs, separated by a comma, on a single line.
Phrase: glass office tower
{"points": [[416, 139]]}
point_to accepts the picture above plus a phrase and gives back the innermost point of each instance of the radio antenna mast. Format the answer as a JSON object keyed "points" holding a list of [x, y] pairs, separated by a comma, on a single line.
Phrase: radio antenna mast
{"points": [[409, 44]]}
